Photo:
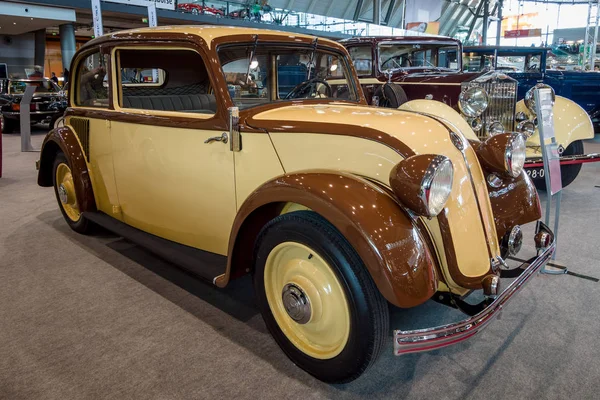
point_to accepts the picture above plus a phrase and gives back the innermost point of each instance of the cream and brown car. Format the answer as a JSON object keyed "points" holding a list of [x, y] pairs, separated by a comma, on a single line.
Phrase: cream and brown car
{"points": [[234, 155]]}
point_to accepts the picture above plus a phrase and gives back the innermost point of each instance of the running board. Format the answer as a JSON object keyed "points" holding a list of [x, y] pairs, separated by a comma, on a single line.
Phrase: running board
{"points": [[204, 264]]}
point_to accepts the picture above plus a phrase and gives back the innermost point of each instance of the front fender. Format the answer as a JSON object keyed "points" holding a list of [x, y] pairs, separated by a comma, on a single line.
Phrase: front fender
{"points": [[571, 123], [65, 140], [442, 111], [382, 233]]}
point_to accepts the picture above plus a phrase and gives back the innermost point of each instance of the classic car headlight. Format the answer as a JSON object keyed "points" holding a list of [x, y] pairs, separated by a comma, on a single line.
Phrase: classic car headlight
{"points": [[495, 128], [423, 183], [504, 153], [527, 128], [473, 101], [530, 100]]}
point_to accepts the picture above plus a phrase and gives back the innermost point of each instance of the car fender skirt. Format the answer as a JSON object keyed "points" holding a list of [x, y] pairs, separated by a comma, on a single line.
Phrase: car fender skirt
{"points": [[64, 139], [382, 233]]}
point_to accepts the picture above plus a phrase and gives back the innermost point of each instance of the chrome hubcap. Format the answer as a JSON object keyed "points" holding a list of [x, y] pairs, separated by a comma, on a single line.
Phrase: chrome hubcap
{"points": [[296, 303], [63, 194]]}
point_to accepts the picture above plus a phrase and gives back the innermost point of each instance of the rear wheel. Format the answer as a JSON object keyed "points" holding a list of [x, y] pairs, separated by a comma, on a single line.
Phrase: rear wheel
{"points": [[64, 188], [568, 173], [317, 298]]}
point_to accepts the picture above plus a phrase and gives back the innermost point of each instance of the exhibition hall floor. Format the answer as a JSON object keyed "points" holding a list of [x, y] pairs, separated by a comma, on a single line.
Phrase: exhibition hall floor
{"points": [[86, 317]]}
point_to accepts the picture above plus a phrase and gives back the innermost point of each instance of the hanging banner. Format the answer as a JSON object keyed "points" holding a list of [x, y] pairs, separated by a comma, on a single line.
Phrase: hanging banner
{"points": [[424, 27], [152, 20], [523, 33], [97, 18], [164, 4]]}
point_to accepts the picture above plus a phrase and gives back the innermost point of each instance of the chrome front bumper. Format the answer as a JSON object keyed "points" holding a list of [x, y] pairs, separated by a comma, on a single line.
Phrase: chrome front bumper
{"points": [[441, 336]]}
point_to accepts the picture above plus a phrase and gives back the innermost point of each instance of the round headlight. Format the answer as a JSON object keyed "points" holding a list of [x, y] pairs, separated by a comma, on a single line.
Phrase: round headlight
{"points": [[514, 156], [530, 99], [527, 128], [423, 183], [473, 101], [437, 185], [495, 128]]}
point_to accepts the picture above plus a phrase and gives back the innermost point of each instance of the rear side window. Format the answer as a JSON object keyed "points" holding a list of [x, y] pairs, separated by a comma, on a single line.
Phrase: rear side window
{"points": [[164, 80], [92, 81], [362, 58]]}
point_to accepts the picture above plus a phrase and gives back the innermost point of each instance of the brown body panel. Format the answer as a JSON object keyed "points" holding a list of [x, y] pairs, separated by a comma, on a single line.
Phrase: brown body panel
{"points": [[378, 228], [64, 140]]}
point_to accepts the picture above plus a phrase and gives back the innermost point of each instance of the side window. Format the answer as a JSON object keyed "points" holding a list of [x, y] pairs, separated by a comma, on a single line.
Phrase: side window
{"points": [[92, 81], [164, 80], [362, 58]]}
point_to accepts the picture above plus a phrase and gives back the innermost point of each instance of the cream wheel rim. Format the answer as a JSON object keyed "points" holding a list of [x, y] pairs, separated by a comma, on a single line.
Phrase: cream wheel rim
{"points": [[307, 300], [66, 192]]}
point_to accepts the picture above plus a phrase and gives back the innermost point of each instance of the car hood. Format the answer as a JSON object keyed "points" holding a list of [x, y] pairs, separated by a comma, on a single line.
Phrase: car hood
{"points": [[432, 76], [407, 132]]}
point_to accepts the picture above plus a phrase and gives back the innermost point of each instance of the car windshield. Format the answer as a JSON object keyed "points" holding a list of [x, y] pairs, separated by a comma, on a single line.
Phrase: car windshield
{"points": [[505, 62], [260, 74], [401, 55], [41, 86]]}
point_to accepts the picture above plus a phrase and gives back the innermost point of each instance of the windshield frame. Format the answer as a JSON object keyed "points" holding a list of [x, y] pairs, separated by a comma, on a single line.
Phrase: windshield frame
{"points": [[437, 44], [351, 78]]}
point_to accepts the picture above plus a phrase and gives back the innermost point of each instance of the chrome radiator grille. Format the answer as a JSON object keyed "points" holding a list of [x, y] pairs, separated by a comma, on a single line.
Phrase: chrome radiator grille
{"points": [[502, 92]]}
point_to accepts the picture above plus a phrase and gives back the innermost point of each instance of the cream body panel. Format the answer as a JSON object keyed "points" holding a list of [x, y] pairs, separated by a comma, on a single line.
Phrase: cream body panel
{"points": [[443, 111], [424, 135], [100, 167], [571, 123], [173, 185], [255, 164]]}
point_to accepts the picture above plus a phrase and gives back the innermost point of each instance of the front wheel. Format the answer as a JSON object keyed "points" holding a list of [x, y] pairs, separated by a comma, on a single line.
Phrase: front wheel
{"points": [[568, 172], [64, 188], [317, 298]]}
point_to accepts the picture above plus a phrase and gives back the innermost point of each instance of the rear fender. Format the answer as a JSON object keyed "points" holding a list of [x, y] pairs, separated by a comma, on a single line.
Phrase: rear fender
{"points": [[64, 139], [382, 233]]}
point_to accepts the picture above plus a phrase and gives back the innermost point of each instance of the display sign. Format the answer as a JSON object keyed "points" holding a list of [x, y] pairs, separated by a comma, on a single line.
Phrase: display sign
{"points": [[424, 27], [164, 4], [152, 20], [97, 18], [544, 103], [25, 116], [523, 33]]}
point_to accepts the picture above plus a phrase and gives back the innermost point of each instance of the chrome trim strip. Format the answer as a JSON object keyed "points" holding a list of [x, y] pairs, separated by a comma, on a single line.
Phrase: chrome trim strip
{"points": [[418, 340]]}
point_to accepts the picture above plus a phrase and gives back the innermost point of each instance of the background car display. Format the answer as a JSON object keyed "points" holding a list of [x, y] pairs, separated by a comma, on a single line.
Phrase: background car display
{"points": [[530, 67], [224, 172], [394, 70], [47, 105], [200, 8]]}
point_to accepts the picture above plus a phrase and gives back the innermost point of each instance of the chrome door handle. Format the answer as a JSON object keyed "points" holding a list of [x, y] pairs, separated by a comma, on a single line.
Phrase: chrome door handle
{"points": [[223, 138]]}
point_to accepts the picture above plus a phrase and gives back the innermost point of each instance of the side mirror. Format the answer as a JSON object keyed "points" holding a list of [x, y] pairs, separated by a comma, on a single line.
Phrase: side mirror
{"points": [[235, 144]]}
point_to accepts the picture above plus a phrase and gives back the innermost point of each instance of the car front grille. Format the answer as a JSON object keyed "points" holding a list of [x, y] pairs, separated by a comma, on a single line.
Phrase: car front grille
{"points": [[502, 96]]}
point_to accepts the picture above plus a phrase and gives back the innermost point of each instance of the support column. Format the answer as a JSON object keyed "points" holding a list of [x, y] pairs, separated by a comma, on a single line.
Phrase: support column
{"points": [[499, 27], [67, 44], [377, 12], [39, 52], [486, 19]]}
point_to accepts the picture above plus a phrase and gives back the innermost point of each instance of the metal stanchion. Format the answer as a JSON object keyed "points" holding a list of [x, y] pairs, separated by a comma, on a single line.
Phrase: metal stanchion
{"points": [[25, 113], [544, 102]]}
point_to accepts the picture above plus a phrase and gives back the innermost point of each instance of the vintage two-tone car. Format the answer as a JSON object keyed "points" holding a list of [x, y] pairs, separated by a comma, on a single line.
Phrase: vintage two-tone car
{"points": [[337, 208], [47, 105], [395, 70]]}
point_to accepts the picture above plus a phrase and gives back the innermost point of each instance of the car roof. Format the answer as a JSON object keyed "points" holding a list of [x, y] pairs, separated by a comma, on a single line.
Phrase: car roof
{"points": [[504, 49], [378, 39], [207, 32]]}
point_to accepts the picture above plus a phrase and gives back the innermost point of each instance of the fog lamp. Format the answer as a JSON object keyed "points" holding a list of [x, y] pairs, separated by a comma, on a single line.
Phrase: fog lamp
{"points": [[495, 128], [423, 183], [476, 124], [527, 128]]}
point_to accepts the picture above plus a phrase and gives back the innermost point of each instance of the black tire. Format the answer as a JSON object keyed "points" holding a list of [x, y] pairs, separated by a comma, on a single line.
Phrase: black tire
{"points": [[391, 95], [53, 122], [82, 225], [568, 173], [369, 314], [10, 125]]}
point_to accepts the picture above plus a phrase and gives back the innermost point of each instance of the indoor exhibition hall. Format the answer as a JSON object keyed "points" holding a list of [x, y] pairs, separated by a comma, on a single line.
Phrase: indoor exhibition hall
{"points": [[299, 199]]}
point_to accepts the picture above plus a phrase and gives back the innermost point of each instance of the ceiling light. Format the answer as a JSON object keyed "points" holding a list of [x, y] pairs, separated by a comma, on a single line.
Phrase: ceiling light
{"points": [[14, 23]]}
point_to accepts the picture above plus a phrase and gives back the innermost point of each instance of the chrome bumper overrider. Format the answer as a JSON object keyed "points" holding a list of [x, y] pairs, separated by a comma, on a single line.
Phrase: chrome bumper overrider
{"points": [[441, 336]]}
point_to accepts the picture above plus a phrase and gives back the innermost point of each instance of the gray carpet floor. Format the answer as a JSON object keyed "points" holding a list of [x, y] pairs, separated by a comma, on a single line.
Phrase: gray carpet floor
{"points": [[96, 317]]}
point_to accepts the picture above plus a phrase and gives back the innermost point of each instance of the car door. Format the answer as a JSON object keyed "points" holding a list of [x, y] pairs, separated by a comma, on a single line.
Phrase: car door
{"points": [[174, 169]]}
